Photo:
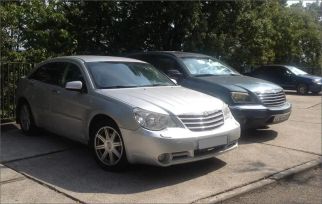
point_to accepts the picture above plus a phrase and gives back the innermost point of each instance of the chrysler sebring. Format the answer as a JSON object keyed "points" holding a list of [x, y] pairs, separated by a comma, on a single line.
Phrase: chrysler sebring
{"points": [[125, 110]]}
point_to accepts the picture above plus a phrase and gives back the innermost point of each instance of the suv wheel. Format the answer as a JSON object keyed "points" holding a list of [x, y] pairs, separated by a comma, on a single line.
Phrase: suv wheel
{"points": [[108, 146], [302, 89]]}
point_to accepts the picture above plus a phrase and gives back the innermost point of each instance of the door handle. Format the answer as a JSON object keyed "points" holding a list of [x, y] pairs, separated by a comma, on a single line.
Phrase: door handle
{"points": [[55, 91]]}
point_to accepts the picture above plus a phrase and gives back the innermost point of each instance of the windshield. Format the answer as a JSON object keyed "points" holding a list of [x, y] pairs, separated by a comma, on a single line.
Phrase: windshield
{"points": [[207, 66], [126, 75], [295, 70]]}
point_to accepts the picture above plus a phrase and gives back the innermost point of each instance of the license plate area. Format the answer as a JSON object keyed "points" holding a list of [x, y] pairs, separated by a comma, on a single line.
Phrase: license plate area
{"points": [[281, 117], [212, 142]]}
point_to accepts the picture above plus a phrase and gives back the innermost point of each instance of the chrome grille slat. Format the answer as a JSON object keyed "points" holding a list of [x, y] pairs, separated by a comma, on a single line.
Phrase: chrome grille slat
{"points": [[207, 126], [269, 100], [196, 120], [203, 121], [209, 121], [281, 92], [272, 99], [199, 117]]}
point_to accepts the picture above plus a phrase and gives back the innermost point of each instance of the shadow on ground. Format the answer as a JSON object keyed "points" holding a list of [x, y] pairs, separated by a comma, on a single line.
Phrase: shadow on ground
{"points": [[74, 168], [9, 126], [258, 136], [289, 92]]}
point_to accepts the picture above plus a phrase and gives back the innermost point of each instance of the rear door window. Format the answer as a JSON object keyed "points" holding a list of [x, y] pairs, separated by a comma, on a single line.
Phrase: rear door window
{"points": [[50, 73]]}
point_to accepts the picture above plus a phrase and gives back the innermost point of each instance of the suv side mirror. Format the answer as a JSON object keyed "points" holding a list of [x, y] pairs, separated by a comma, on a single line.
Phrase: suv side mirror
{"points": [[174, 81], [74, 86], [174, 74]]}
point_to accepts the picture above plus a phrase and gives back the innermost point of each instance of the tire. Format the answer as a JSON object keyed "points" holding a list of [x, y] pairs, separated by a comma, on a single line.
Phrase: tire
{"points": [[302, 89], [26, 119], [107, 145]]}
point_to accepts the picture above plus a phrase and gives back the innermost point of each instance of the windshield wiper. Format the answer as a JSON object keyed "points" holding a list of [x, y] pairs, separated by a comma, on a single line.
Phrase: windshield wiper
{"points": [[202, 75], [155, 85], [117, 87]]}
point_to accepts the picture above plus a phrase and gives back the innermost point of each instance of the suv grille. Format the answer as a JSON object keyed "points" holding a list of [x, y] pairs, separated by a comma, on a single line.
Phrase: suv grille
{"points": [[272, 99], [208, 121]]}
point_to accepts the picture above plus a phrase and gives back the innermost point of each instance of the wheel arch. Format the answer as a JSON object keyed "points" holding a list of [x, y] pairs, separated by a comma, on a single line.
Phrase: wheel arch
{"points": [[100, 117]]}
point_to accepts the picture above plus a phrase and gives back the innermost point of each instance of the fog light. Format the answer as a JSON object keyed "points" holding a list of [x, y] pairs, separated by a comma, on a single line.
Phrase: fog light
{"points": [[164, 158]]}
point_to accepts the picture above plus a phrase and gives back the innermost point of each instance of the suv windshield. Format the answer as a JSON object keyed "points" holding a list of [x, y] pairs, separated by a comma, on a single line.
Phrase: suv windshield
{"points": [[295, 70], [207, 66], [126, 75]]}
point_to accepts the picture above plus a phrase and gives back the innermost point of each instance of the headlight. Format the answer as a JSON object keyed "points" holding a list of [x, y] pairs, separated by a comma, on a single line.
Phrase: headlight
{"points": [[227, 113], [318, 81], [240, 97], [153, 121]]}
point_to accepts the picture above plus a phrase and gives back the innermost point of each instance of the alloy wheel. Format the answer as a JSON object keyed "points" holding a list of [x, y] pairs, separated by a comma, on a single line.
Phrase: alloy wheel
{"points": [[302, 89], [108, 146]]}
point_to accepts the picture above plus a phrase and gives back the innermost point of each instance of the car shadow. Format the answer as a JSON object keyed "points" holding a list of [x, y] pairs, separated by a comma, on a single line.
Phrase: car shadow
{"points": [[75, 170], [257, 136], [5, 127], [293, 93]]}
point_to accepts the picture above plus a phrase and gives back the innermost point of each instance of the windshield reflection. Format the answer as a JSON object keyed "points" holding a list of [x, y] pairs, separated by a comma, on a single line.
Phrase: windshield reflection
{"points": [[207, 67], [296, 71]]}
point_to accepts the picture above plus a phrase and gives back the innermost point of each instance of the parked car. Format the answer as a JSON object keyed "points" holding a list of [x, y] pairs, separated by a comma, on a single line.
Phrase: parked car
{"points": [[289, 77], [254, 103], [126, 110]]}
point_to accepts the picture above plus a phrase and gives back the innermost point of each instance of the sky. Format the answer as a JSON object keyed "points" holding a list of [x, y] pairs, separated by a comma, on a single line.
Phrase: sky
{"points": [[290, 2]]}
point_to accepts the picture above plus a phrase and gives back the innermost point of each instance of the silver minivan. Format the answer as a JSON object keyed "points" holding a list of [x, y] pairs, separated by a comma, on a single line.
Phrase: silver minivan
{"points": [[126, 110]]}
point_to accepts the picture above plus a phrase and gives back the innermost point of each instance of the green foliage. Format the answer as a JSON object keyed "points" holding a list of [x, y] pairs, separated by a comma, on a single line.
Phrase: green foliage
{"points": [[245, 32], [34, 30]]}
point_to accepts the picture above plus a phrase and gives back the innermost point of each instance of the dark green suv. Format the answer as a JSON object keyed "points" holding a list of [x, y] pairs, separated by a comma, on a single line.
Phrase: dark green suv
{"points": [[254, 102]]}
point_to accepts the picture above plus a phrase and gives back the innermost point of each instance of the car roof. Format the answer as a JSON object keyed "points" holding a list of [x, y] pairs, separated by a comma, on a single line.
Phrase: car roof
{"points": [[173, 53], [97, 58]]}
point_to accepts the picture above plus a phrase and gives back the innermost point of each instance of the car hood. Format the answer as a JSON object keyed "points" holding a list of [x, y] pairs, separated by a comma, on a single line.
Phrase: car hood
{"points": [[171, 99], [239, 83], [308, 76]]}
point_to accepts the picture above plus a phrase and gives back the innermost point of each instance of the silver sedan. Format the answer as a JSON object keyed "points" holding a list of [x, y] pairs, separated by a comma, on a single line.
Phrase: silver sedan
{"points": [[126, 110]]}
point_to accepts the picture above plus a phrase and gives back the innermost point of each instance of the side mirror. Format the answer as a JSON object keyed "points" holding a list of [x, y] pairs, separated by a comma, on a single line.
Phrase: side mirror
{"points": [[174, 74], [174, 81], [74, 85]]}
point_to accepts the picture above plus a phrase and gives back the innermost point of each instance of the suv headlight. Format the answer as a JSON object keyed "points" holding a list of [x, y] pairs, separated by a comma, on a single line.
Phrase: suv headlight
{"points": [[317, 81], [240, 97], [153, 121], [227, 113]]}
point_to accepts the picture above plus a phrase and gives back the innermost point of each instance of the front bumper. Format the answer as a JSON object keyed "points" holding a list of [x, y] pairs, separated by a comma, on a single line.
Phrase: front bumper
{"points": [[252, 116], [178, 145], [316, 87]]}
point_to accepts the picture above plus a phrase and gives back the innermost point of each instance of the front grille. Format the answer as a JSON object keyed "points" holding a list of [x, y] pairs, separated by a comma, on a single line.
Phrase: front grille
{"points": [[207, 121], [272, 99]]}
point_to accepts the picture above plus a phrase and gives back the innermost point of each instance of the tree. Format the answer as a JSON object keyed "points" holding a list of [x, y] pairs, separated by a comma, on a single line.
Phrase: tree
{"points": [[245, 32], [298, 37]]}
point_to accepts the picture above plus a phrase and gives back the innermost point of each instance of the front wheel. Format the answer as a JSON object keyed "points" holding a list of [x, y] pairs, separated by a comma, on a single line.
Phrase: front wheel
{"points": [[302, 89], [108, 147]]}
